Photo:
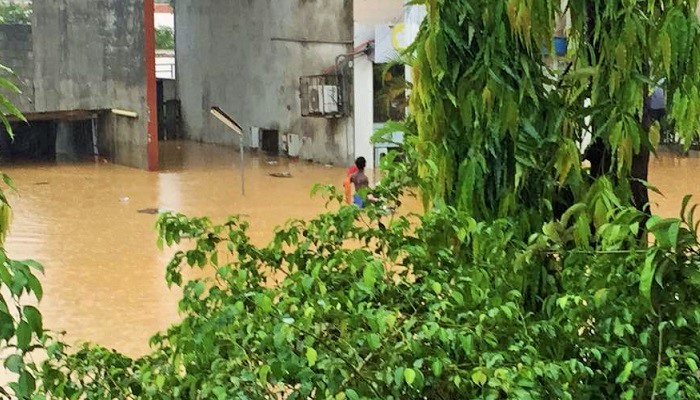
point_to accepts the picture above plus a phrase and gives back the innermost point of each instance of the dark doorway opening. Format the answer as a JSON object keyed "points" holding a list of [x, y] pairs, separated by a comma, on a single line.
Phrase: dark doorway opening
{"points": [[270, 141], [35, 142], [168, 110], [49, 141]]}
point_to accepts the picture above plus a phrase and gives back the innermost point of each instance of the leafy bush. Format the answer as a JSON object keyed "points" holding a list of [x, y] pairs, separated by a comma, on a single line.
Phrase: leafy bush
{"points": [[13, 13], [165, 38], [354, 304]]}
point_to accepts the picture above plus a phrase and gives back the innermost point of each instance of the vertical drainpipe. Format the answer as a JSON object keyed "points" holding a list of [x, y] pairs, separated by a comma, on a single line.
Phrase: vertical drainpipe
{"points": [[149, 48]]}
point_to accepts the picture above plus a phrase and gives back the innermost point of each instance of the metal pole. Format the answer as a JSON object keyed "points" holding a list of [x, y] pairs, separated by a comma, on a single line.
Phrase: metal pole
{"points": [[242, 167], [228, 121], [95, 149]]}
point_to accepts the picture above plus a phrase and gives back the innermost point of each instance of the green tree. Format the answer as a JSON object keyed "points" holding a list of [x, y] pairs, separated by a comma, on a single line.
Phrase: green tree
{"points": [[502, 130], [165, 38], [13, 13], [21, 329]]}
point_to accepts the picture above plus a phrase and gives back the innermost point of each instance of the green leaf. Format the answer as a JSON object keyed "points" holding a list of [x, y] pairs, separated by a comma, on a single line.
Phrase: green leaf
{"points": [[655, 135], [33, 264], [263, 373], [219, 392], [35, 286], [479, 377], [8, 181], [351, 394], [437, 368], [409, 375], [369, 276], [11, 109], [265, 303], [33, 316], [24, 335], [373, 341], [311, 356], [692, 365], [673, 231], [647, 276], [160, 381], [26, 383], [398, 376], [672, 389], [625, 374], [14, 363]]}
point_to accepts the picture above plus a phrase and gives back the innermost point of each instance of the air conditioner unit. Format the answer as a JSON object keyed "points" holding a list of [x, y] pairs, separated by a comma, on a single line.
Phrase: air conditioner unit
{"points": [[254, 137], [316, 99], [324, 99], [331, 99]]}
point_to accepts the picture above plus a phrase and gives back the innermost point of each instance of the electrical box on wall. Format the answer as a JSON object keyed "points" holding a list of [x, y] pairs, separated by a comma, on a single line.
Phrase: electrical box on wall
{"points": [[254, 142], [294, 144]]}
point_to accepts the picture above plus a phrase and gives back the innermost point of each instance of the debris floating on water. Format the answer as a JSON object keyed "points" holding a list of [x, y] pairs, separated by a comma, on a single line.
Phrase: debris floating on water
{"points": [[281, 174], [124, 199], [271, 162], [153, 211], [41, 183]]}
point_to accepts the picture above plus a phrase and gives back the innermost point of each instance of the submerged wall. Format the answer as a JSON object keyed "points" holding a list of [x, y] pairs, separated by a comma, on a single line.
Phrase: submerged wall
{"points": [[247, 56], [85, 55], [17, 53]]}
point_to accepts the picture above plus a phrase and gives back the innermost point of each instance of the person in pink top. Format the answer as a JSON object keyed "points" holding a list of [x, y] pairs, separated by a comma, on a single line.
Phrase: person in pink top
{"points": [[347, 183]]}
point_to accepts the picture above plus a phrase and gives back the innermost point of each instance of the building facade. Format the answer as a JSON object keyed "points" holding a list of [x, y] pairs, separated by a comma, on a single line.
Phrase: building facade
{"points": [[248, 57], [77, 61]]}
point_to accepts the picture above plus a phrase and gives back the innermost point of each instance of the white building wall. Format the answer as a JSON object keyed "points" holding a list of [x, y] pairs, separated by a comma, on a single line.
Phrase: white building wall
{"points": [[165, 20], [364, 97]]}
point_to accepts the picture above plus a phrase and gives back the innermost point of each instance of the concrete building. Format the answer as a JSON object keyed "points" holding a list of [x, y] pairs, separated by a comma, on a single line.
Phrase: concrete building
{"points": [[79, 60], [270, 64], [372, 22], [247, 57], [252, 59]]}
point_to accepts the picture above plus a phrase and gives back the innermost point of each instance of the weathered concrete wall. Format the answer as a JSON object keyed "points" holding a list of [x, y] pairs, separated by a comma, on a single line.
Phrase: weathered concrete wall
{"points": [[88, 55], [17, 53], [228, 55]]}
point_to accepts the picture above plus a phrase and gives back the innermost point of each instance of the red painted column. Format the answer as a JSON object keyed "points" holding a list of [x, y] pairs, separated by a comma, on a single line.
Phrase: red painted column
{"points": [[149, 48]]}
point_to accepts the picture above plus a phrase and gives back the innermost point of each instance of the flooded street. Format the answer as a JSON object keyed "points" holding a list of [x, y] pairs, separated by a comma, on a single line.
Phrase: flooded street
{"points": [[675, 177], [104, 277]]}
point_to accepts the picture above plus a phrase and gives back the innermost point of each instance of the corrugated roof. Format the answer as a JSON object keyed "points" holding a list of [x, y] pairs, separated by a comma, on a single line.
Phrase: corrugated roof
{"points": [[164, 8]]}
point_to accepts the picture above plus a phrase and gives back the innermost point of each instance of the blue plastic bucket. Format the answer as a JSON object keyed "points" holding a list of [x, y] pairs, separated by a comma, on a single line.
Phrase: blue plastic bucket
{"points": [[561, 46]]}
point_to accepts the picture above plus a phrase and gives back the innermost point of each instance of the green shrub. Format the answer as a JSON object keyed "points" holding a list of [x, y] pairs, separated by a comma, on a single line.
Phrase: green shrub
{"points": [[13, 13], [165, 38], [354, 304]]}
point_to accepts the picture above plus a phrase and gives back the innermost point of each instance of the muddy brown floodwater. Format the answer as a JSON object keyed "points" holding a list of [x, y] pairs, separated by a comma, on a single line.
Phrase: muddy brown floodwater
{"points": [[104, 279]]}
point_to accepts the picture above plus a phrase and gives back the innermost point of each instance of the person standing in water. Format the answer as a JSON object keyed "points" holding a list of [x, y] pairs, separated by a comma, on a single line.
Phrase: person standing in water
{"points": [[360, 181], [348, 185]]}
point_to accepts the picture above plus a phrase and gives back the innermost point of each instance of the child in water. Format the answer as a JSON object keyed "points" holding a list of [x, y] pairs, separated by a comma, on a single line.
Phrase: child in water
{"points": [[360, 181], [348, 185], [356, 176]]}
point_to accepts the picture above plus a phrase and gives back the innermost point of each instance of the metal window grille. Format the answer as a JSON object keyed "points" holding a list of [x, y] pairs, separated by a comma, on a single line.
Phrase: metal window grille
{"points": [[322, 96]]}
